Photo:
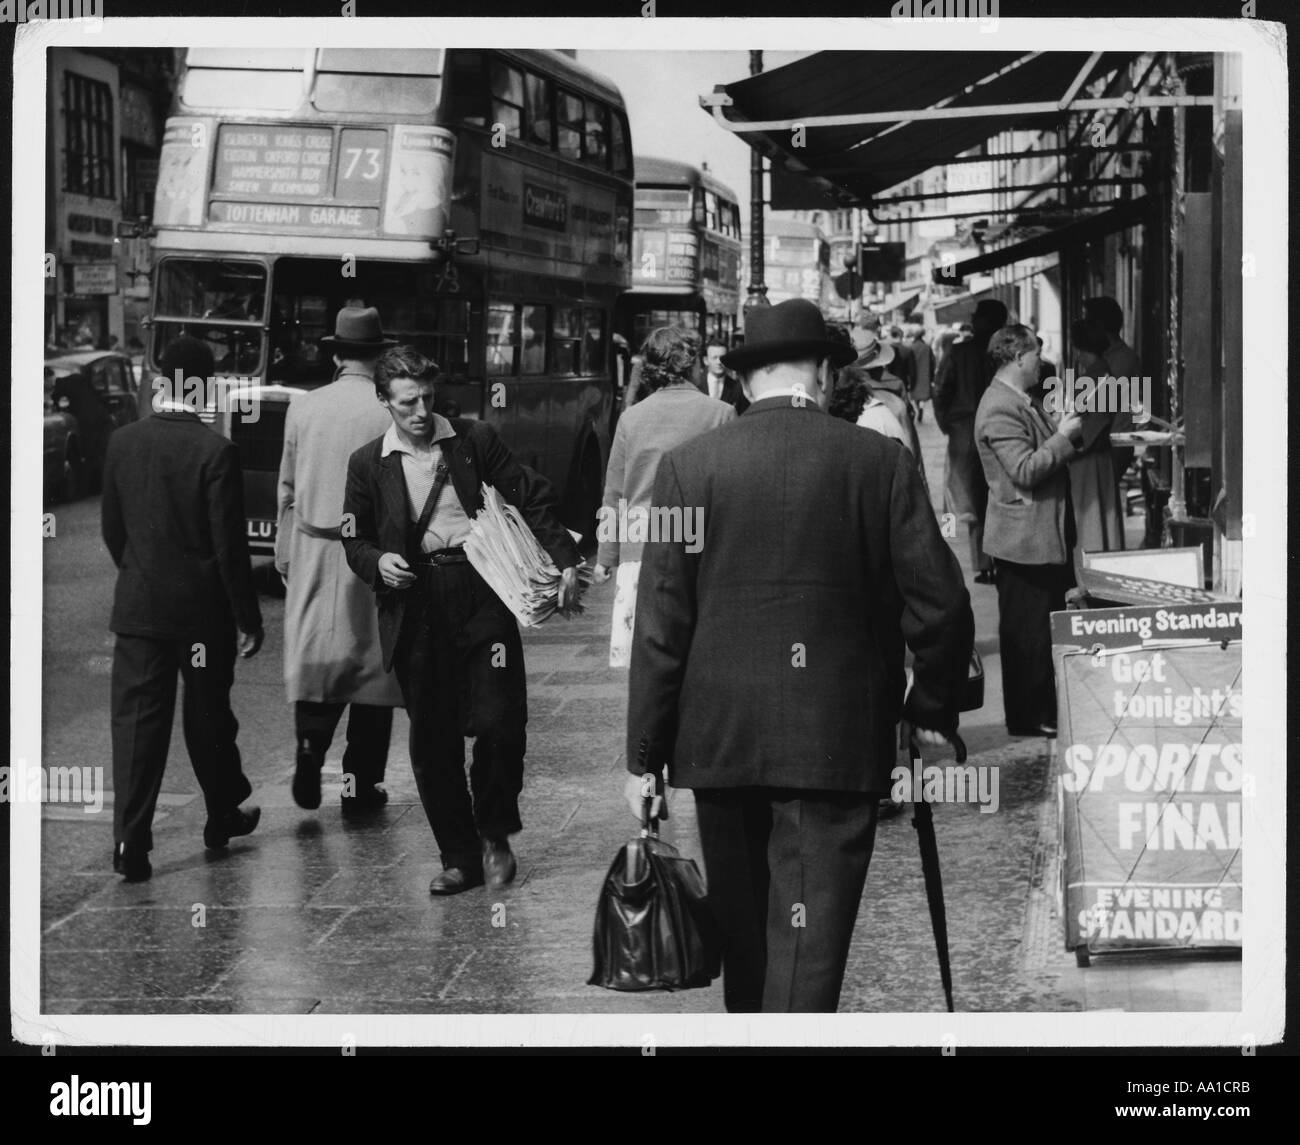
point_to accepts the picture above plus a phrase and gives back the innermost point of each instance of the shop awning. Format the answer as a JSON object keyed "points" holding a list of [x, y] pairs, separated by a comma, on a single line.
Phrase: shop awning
{"points": [[899, 300], [907, 112], [1127, 214]]}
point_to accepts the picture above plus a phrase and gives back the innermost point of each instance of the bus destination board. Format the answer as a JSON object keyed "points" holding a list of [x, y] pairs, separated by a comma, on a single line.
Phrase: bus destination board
{"points": [[273, 162]]}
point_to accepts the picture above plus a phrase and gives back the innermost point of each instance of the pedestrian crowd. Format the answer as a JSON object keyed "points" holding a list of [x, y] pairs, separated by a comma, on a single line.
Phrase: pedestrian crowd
{"points": [[766, 664]]}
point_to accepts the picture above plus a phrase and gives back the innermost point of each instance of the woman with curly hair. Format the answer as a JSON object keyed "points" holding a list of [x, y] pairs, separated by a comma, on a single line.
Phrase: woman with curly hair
{"points": [[670, 409]]}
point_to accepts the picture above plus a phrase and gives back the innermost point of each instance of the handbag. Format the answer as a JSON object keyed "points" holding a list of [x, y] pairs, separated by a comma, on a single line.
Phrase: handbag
{"points": [[654, 928]]}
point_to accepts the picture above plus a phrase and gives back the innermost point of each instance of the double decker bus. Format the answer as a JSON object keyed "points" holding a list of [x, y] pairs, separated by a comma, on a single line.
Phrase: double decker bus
{"points": [[797, 262], [685, 253], [481, 199]]}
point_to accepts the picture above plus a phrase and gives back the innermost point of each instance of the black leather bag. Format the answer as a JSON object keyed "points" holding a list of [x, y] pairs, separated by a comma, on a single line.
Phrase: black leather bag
{"points": [[654, 928]]}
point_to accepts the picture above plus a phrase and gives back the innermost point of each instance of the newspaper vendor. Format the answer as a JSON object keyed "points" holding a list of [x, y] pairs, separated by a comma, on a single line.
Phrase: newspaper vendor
{"points": [[450, 640]]}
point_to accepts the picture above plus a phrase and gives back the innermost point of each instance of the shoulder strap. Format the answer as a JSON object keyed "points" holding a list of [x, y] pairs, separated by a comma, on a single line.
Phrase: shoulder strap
{"points": [[431, 502]]}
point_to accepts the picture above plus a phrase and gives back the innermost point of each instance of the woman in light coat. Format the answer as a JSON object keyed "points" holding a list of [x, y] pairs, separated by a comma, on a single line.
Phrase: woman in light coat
{"points": [[671, 409]]}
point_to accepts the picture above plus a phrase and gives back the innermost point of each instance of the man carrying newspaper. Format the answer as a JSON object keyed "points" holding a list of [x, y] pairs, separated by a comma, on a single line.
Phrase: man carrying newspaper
{"points": [[452, 643]]}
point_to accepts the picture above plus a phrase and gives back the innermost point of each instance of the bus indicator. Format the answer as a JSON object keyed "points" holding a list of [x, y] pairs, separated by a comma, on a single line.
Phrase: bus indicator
{"points": [[293, 216], [273, 163]]}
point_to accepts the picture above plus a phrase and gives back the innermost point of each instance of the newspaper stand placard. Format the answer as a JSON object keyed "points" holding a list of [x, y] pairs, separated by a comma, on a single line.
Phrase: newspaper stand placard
{"points": [[1149, 776]]}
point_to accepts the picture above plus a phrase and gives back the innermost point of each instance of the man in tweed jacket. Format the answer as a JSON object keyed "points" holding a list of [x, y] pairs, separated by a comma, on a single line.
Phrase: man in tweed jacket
{"points": [[768, 667]]}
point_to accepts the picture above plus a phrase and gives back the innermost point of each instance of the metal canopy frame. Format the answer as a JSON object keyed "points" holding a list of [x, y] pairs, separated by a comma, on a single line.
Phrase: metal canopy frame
{"points": [[715, 101], [837, 179]]}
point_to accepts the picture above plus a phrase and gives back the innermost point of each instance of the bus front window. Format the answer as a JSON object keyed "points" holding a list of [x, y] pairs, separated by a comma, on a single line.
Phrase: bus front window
{"points": [[309, 293], [221, 302]]}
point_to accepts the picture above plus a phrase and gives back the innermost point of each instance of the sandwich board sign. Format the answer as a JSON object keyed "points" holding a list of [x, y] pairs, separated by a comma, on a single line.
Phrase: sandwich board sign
{"points": [[1149, 776]]}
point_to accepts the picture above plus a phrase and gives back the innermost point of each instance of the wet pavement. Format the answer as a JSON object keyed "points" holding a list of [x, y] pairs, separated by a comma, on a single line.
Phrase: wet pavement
{"points": [[315, 914]]}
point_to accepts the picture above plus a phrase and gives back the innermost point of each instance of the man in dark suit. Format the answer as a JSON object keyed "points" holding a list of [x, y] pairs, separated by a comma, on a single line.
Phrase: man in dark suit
{"points": [[452, 643], [767, 668], [719, 382], [173, 521]]}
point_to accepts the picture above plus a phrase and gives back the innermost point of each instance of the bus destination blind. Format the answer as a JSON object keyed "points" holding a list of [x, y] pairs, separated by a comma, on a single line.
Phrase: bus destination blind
{"points": [[289, 177]]}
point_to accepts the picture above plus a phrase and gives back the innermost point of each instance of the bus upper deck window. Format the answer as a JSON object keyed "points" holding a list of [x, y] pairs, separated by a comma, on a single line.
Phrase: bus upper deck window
{"points": [[622, 156], [539, 117], [711, 218], [464, 93], [597, 133], [400, 95], [568, 111], [229, 89], [507, 97]]}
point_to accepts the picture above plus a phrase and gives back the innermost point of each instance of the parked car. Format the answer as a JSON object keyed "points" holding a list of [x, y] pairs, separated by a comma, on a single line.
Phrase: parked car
{"points": [[98, 390], [63, 469]]}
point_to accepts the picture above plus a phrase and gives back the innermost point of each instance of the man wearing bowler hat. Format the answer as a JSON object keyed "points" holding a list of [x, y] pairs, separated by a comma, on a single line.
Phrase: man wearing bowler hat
{"points": [[332, 658], [767, 667]]}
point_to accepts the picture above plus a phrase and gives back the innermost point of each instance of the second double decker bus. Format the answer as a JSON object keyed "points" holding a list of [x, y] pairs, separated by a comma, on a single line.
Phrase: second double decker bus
{"points": [[685, 254], [797, 262], [480, 199]]}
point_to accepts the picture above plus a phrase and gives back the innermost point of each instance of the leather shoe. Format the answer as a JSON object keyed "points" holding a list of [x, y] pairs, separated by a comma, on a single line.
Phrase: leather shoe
{"points": [[220, 830], [369, 798], [498, 862], [306, 777], [132, 865], [454, 880], [1037, 730], [985, 577]]}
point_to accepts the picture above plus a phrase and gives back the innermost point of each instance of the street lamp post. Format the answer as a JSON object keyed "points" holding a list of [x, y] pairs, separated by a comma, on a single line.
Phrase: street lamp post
{"points": [[757, 287]]}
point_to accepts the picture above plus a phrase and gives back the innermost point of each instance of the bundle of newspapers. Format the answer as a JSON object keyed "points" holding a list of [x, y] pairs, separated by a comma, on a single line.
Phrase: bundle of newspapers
{"points": [[503, 550]]}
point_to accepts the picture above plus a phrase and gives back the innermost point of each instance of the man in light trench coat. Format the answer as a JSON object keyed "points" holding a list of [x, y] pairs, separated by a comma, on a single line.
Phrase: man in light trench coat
{"points": [[331, 632]]}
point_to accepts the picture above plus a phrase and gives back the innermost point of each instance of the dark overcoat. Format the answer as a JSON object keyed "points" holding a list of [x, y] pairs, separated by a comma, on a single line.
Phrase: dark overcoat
{"points": [[774, 655], [172, 517]]}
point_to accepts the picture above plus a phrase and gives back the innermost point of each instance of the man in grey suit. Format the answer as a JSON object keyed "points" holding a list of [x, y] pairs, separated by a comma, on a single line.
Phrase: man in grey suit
{"points": [[767, 665], [1029, 528]]}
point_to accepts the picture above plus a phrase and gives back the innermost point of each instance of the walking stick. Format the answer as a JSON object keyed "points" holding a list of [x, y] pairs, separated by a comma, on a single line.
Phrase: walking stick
{"points": [[923, 822]]}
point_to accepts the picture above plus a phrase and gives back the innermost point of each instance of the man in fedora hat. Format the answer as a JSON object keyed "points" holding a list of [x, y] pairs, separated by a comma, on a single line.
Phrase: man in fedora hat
{"points": [[331, 635], [767, 665], [173, 522]]}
